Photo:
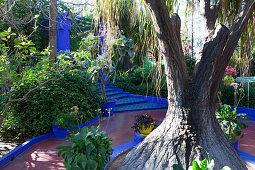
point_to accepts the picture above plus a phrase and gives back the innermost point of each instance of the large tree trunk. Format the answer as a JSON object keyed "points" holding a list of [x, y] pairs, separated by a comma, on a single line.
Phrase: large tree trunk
{"points": [[53, 30], [190, 120]]}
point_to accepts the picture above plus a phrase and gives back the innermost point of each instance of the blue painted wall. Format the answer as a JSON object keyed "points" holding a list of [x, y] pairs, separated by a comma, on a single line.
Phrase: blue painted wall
{"points": [[64, 27]]}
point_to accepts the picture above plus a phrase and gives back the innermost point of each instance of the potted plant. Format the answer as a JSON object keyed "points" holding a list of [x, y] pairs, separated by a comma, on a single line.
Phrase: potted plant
{"points": [[90, 150], [101, 68], [228, 78], [231, 123], [143, 126], [59, 127]]}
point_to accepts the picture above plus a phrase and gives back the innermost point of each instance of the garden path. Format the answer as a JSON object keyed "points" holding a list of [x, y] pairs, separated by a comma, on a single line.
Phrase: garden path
{"points": [[44, 154]]}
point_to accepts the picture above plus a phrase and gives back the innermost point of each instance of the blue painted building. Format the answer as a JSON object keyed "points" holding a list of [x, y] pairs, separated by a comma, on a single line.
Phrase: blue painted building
{"points": [[63, 31]]}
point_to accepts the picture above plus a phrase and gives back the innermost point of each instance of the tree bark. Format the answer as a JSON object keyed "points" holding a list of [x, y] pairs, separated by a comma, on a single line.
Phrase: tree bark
{"points": [[190, 120], [126, 63], [53, 30]]}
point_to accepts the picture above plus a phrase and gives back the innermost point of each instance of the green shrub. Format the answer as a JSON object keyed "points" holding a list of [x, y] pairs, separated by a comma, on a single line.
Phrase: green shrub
{"points": [[33, 116], [141, 81], [226, 95], [90, 149], [230, 122]]}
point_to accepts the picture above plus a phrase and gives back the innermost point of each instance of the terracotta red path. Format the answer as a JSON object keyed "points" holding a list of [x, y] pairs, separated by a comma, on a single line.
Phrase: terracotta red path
{"points": [[43, 155]]}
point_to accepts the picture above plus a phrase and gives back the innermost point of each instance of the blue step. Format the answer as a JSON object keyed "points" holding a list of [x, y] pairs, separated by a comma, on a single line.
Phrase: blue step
{"points": [[141, 106], [108, 90], [112, 93], [127, 102], [110, 87], [119, 96], [130, 101]]}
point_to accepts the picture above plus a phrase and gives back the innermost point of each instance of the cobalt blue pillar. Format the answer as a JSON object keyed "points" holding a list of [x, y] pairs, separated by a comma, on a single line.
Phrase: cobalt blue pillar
{"points": [[102, 33], [64, 27]]}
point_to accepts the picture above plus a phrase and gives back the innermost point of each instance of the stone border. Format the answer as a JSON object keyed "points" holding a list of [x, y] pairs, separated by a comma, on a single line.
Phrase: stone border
{"points": [[28, 144]]}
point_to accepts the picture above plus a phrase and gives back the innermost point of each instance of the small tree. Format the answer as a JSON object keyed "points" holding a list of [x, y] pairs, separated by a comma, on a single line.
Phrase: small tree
{"points": [[102, 68]]}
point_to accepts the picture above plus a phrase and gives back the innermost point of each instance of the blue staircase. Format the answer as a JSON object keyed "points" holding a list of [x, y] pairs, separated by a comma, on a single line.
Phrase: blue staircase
{"points": [[129, 102]]}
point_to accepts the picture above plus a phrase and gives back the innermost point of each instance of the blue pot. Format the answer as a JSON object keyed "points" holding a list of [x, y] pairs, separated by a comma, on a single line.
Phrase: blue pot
{"points": [[235, 145], [138, 137], [60, 133], [107, 108]]}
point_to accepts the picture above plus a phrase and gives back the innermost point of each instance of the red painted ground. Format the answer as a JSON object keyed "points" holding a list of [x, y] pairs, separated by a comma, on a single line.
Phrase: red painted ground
{"points": [[43, 155], [247, 143]]}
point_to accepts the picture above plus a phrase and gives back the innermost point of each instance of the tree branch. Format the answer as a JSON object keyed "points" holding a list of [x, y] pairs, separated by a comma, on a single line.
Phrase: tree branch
{"points": [[168, 33], [37, 87], [236, 30], [217, 63], [211, 54], [209, 15]]}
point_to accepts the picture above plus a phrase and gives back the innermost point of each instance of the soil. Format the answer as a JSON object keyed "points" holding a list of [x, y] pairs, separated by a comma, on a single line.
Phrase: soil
{"points": [[118, 160]]}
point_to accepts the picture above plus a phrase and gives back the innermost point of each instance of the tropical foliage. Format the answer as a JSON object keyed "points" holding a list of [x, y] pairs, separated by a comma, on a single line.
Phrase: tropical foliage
{"points": [[90, 149], [230, 122]]}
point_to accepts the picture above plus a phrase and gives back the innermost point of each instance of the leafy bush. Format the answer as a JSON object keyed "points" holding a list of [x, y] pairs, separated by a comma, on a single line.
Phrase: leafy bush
{"points": [[141, 81], [89, 150], [33, 116], [230, 122]]}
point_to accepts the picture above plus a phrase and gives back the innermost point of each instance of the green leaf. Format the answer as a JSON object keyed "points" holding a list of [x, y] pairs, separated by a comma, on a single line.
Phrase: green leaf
{"points": [[195, 165], [9, 29], [93, 129], [91, 164], [90, 148], [203, 164]]}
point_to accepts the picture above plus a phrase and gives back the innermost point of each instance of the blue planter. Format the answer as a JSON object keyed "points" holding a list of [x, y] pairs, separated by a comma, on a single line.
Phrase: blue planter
{"points": [[138, 137], [235, 145], [60, 133], [107, 108]]}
